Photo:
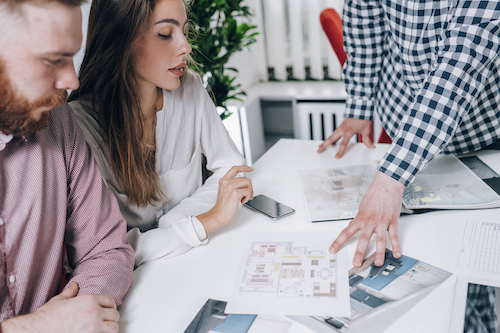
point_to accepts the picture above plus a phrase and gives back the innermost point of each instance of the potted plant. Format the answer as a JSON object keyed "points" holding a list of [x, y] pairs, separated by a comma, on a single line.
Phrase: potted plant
{"points": [[219, 30]]}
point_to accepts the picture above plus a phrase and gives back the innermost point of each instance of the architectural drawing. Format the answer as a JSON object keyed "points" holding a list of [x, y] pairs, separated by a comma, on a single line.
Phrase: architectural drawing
{"points": [[373, 287], [286, 270], [291, 273], [449, 183], [332, 194], [446, 183]]}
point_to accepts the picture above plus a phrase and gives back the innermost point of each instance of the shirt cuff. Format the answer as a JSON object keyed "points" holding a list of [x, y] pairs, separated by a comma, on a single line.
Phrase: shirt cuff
{"points": [[164, 242], [402, 164], [359, 108], [199, 229]]}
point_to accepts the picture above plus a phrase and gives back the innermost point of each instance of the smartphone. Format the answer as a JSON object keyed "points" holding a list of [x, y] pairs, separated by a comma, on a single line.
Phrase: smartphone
{"points": [[269, 207]]}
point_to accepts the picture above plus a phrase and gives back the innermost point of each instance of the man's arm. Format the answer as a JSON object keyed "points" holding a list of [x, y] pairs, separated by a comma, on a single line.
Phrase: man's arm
{"points": [[365, 29], [95, 237], [465, 58]]}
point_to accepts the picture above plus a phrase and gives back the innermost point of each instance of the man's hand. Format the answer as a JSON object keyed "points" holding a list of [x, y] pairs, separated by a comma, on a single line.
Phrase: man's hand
{"points": [[232, 191], [378, 213], [66, 313], [346, 130]]}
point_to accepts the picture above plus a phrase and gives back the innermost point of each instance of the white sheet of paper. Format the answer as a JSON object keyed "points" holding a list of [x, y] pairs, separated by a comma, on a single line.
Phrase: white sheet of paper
{"points": [[335, 194], [479, 248], [385, 304], [291, 274]]}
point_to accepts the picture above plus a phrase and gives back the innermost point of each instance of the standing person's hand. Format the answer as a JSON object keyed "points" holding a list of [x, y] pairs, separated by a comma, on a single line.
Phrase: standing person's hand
{"points": [[378, 213], [346, 130], [66, 313], [232, 191]]}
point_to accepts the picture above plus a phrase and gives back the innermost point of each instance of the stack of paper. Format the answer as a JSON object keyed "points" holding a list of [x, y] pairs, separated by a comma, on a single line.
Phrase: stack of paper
{"points": [[446, 183]]}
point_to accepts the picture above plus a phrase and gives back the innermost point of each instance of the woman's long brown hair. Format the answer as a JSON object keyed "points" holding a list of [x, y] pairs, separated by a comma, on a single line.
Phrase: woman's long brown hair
{"points": [[106, 74]]}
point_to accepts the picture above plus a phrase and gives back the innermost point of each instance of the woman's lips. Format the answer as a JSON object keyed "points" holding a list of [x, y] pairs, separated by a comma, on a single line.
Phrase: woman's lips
{"points": [[178, 70]]}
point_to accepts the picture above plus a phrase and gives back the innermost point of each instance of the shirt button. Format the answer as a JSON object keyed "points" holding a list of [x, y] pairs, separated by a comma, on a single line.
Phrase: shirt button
{"points": [[12, 278], [1, 221]]}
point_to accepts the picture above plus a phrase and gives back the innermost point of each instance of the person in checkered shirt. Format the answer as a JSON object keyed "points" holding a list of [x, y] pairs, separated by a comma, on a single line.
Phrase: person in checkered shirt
{"points": [[430, 70]]}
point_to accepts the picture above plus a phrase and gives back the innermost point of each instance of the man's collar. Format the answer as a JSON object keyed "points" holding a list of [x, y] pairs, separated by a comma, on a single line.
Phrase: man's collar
{"points": [[4, 140]]}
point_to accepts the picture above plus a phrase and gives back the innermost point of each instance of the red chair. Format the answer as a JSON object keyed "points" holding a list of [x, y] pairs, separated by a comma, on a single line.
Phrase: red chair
{"points": [[332, 25], [384, 137]]}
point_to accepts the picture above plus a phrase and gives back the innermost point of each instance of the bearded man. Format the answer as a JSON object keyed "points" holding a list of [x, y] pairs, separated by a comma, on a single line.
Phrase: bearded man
{"points": [[51, 192]]}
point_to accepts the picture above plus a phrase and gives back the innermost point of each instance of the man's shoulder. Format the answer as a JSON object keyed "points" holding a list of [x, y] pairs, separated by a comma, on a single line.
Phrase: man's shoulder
{"points": [[62, 121], [61, 131]]}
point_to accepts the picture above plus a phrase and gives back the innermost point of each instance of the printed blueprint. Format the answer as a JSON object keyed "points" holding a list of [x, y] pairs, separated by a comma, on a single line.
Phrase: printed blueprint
{"points": [[291, 274], [289, 271]]}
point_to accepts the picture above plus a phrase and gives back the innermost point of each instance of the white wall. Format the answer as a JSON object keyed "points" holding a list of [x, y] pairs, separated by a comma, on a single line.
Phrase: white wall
{"points": [[251, 62], [85, 19]]}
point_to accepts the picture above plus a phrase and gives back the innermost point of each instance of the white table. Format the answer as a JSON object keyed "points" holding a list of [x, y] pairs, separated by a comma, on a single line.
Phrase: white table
{"points": [[163, 289]]}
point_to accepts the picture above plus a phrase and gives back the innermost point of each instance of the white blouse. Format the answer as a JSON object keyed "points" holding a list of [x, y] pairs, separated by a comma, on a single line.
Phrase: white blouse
{"points": [[187, 126]]}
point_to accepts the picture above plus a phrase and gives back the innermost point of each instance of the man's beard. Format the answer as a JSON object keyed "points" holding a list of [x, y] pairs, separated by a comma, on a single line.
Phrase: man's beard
{"points": [[16, 112]]}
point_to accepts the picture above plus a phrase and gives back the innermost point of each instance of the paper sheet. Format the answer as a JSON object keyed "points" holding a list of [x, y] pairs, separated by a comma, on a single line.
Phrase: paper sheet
{"points": [[335, 194], [386, 298], [291, 274], [479, 250]]}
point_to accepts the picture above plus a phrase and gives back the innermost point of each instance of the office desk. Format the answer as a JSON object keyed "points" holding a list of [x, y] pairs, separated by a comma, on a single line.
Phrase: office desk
{"points": [[163, 289]]}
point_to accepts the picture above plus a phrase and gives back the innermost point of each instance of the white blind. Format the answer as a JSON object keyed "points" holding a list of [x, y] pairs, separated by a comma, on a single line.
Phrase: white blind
{"points": [[295, 40], [274, 15]]}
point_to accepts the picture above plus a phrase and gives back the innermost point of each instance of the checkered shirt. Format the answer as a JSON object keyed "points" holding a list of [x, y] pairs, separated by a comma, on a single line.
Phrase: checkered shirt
{"points": [[430, 69], [480, 311]]}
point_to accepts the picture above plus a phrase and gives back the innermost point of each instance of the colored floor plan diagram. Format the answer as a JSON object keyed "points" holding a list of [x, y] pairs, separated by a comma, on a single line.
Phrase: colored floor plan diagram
{"points": [[286, 270]]}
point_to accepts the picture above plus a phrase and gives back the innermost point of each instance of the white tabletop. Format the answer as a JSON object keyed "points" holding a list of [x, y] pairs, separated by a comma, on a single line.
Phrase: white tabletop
{"points": [[163, 290]]}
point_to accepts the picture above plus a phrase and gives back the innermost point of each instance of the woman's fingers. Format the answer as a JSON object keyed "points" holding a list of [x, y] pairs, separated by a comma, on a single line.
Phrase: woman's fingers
{"points": [[236, 170]]}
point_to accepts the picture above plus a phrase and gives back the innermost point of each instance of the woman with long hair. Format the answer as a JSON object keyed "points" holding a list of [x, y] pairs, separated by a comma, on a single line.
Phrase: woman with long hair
{"points": [[148, 119]]}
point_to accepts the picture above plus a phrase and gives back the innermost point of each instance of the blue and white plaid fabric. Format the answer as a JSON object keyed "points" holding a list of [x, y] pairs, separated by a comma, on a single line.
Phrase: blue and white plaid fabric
{"points": [[480, 311], [430, 69]]}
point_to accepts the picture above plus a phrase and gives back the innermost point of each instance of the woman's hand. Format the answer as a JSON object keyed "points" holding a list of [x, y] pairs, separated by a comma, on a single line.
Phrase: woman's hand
{"points": [[232, 192]]}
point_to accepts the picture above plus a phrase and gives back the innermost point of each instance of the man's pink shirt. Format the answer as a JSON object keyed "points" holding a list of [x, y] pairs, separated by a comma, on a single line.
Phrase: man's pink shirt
{"points": [[51, 193]]}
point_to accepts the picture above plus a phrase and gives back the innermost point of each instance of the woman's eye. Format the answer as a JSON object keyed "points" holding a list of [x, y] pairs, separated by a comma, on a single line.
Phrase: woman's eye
{"points": [[164, 36]]}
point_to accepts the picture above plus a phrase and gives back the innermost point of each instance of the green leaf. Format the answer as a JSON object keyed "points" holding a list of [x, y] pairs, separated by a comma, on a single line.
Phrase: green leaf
{"points": [[216, 36]]}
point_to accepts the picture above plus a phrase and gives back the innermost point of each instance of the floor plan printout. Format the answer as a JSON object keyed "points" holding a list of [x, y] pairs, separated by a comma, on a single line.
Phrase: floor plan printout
{"points": [[335, 194], [291, 273], [446, 183], [479, 250], [380, 296]]}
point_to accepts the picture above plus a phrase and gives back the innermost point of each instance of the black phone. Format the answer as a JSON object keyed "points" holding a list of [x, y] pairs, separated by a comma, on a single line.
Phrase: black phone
{"points": [[269, 207]]}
